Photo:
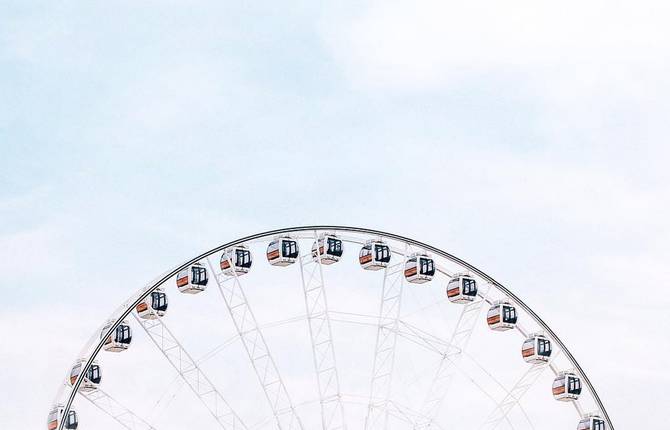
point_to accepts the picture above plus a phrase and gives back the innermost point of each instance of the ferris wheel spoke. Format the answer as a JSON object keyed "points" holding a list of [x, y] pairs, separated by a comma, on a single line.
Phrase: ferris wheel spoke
{"points": [[257, 350], [513, 396], [189, 370], [116, 410], [388, 327], [321, 336], [442, 380]]}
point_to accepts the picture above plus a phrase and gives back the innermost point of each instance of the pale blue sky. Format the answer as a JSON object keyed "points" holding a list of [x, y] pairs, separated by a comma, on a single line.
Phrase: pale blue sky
{"points": [[527, 138]]}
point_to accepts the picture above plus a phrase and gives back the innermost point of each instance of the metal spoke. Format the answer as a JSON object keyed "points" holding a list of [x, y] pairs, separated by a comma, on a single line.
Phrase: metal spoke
{"points": [[191, 373], [385, 346], [442, 380], [257, 350], [116, 410], [321, 336], [514, 395]]}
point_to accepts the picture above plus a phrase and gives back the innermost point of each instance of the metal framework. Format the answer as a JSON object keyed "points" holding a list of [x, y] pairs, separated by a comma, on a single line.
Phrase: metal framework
{"points": [[257, 349], [122, 415], [321, 336], [442, 381], [255, 344], [191, 373], [513, 397], [385, 346]]}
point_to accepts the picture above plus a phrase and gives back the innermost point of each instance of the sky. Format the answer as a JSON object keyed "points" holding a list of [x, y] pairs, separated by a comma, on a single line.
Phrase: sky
{"points": [[528, 138]]}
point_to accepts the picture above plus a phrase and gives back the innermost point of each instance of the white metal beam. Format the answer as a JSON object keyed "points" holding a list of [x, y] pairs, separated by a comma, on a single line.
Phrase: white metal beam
{"points": [[116, 410], [442, 380], [321, 336], [257, 350], [191, 373], [385, 346]]}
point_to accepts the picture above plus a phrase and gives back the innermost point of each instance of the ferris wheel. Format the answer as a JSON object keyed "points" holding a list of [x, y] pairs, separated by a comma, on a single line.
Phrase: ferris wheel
{"points": [[326, 327]]}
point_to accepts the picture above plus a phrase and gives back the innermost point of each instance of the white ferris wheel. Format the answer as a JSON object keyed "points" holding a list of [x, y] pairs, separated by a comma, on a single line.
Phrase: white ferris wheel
{"points": [[326, 327]]}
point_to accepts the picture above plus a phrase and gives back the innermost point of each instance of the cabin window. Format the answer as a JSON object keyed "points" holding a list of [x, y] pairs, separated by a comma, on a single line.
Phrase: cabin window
{"points": [[383, 254], [159, 301], [198, 275], [574, 385], [243, 258], [334, 247], [94, 373], [469, 287], [509, 314], [290, 248], [598, 424], [427, 266], [123, 334], [543, 347]]}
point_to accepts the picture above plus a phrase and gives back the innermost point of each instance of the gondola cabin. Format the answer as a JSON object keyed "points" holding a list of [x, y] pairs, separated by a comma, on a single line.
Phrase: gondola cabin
{"points": [[462, 289], [374, 255], [501, 316], [283, 251], [591, 422], [566, 387], [236, 261], [192, 280], [419, 268], [536, 349], [119, 340], [56, 415], [327, 249], [153, 306], [92, 378]]}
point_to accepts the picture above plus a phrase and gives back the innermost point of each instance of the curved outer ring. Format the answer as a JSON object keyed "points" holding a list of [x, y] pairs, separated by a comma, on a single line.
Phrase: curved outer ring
{"points": [[430, 248]]}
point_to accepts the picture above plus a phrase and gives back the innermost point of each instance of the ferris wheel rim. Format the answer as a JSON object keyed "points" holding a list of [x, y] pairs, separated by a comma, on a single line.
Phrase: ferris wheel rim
{"points": [[143, 293]]}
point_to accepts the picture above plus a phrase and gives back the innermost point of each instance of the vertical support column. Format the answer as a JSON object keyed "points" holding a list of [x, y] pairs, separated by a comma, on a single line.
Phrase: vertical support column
{"points": [[385, 346], [442, 380], [257, 350], [321, 336]]}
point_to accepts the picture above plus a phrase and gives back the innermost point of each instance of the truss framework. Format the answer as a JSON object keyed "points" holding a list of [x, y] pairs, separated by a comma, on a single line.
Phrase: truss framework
{"points": [[116, 410], [442, 381], [257, 350], [513, 397], [321, 336], [385, 346], [191, 373]]}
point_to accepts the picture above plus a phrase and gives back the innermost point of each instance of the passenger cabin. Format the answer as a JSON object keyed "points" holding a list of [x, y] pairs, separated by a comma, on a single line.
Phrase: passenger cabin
{"points": [[193, 279], [462, 289], [419, 268], [592, 422], [327, 249], [92, 378], [283, 251], [119, 340], [536, 349], [501, 316], [153, 306], [566, 387], [374, 255], [56, 415], [236, 261]]}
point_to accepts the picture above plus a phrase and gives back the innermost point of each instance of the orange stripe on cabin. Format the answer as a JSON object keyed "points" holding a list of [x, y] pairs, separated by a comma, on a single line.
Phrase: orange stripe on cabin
{"points": [[495, 319], [365, 259], [53, 425], [73, 379], [273, 255], [453, 292], [225, 264], [142, 307], [558, 390], [528, 352], [410, 272], [182, 281]]}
